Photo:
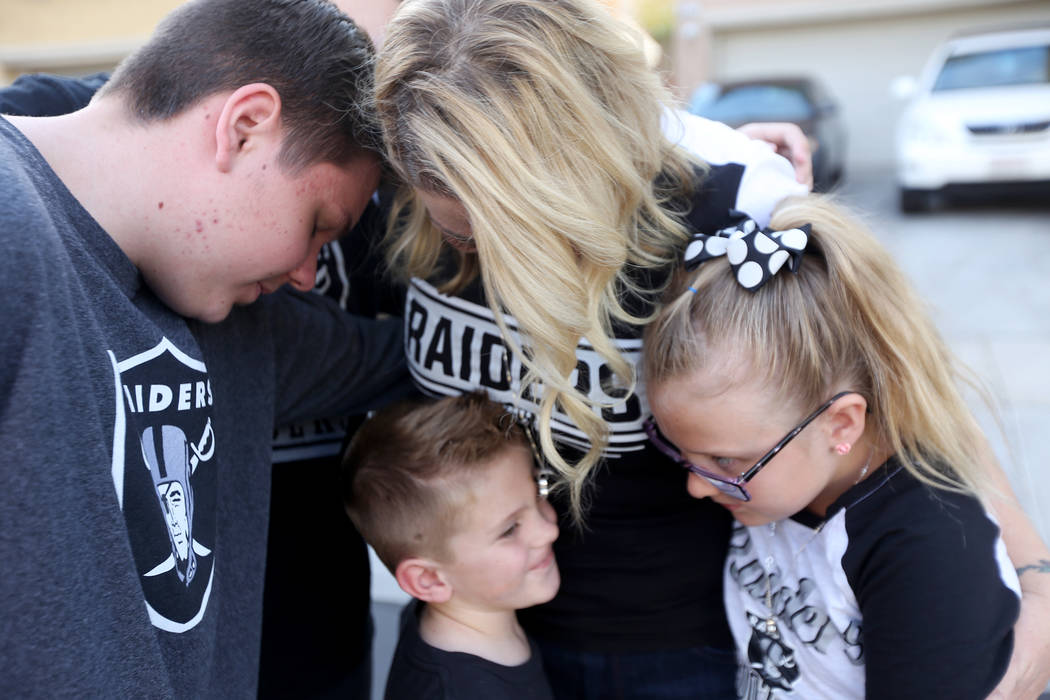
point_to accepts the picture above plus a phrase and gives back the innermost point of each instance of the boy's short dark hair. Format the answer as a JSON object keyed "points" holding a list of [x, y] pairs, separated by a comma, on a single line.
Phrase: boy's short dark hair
{"points": [[407, 471], [319, 61]]}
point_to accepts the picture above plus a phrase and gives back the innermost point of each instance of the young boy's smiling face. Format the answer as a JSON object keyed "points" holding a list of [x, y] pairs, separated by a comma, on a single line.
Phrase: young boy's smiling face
{"points": [[501, 554]]}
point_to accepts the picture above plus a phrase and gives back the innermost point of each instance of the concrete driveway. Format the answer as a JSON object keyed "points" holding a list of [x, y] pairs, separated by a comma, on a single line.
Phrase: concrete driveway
{"points": [[983, 269]]}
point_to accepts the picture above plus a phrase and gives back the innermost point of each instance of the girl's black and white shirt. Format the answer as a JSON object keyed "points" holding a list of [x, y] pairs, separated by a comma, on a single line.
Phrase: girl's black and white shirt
{"points": [[645, 574], [903, 591]]}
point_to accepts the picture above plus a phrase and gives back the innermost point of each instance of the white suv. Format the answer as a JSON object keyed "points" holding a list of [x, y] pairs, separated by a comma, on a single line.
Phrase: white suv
{"points": [[979, 116]]}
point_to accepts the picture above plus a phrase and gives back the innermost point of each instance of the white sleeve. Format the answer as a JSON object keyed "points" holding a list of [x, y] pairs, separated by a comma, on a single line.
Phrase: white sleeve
{"points": [[768, 177]]}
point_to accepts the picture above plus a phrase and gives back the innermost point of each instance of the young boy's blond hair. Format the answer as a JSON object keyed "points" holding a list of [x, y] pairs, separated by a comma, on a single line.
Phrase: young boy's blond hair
{"points": [[408, 469]]}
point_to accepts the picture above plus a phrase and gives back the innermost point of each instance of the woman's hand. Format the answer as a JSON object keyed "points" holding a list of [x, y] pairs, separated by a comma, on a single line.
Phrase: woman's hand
{"points": [[788, 140]]}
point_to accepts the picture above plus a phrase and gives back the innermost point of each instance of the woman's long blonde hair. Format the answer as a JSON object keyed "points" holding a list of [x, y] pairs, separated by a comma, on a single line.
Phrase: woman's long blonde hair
{"points": [[848, 319], [543, 120]]}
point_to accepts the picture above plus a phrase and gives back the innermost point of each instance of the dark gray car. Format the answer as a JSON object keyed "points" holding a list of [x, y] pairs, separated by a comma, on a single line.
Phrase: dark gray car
{"points": [[803, 101]]}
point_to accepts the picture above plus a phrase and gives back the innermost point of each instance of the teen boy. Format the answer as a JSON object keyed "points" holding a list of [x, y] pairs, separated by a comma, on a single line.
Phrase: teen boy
{"points": [[138, 393], [444, 492]]}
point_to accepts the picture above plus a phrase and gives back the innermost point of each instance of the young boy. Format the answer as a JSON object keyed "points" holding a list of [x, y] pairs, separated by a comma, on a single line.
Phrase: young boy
{"points": [[444, 492]]}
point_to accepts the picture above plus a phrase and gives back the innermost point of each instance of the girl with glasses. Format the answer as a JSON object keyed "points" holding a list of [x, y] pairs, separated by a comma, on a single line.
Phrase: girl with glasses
{"points": [[794, 373]]}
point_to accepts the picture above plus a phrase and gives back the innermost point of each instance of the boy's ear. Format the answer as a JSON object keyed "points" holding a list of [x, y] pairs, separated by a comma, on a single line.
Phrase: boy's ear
{"points": [[423, 579], [846, 419], [249, 116]]}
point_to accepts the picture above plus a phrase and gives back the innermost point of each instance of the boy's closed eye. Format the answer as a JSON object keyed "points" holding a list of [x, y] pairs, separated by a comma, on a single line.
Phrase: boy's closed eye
{"points": [[509, 532]]}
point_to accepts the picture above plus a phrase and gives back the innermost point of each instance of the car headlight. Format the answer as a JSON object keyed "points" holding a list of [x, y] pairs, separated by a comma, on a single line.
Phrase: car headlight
{"points": [[923, 129]]}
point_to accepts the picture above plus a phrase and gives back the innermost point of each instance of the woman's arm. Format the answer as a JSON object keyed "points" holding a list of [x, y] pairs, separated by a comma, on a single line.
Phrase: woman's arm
{"points": [[765, 178], [788, 140], [1029, 670], [45, 95]]}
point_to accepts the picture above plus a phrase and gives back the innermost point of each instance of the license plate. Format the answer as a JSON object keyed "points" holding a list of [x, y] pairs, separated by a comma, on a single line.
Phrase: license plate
{"points": [[1008, 168]]}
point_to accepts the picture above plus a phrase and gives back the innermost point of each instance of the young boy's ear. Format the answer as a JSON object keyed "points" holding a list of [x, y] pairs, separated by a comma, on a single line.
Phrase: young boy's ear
{"points": [[846, 419], [423, 579]]}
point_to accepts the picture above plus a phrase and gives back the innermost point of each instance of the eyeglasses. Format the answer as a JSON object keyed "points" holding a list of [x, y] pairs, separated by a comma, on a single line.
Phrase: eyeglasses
{"points": [[734, 487]]}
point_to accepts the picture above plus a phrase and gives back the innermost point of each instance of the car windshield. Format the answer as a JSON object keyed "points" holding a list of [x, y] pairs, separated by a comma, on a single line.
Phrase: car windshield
{"points": [[1018, 66], [756, 103]]}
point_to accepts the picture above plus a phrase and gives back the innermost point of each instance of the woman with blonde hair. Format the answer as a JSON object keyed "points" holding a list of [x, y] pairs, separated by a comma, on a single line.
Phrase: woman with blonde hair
{"points": [[548, 189], [533, 138]]}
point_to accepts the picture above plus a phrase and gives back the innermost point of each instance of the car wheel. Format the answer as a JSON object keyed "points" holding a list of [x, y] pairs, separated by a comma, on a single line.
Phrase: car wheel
{"points": [[835, 180], [916, 200]]}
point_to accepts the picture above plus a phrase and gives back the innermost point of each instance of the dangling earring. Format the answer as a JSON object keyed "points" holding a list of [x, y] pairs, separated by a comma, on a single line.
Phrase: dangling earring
{"points": [[843, 448]]}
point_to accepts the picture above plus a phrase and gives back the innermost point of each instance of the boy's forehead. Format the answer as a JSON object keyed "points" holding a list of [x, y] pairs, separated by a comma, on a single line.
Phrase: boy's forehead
{"points": [[498, 490], [347, 186], [364, 174]]}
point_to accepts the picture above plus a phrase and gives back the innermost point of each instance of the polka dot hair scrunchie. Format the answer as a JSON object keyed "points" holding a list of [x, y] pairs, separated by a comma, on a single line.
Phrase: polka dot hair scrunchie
{"points": [[755, 255]]}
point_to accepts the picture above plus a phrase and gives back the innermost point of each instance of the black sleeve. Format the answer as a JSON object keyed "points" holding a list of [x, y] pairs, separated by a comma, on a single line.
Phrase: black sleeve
{"points": [[714, 207], [330, 362], [374, 289], [46, 95], [938, 617]]}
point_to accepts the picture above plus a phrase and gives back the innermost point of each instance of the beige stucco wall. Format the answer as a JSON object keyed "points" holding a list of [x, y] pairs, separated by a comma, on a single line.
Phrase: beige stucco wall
{"points": [[72, 36], [28, 22], [76, 37]]}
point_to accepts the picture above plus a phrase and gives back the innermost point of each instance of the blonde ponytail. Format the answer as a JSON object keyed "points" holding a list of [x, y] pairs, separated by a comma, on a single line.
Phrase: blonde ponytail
{"points": [[848, 318]]}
